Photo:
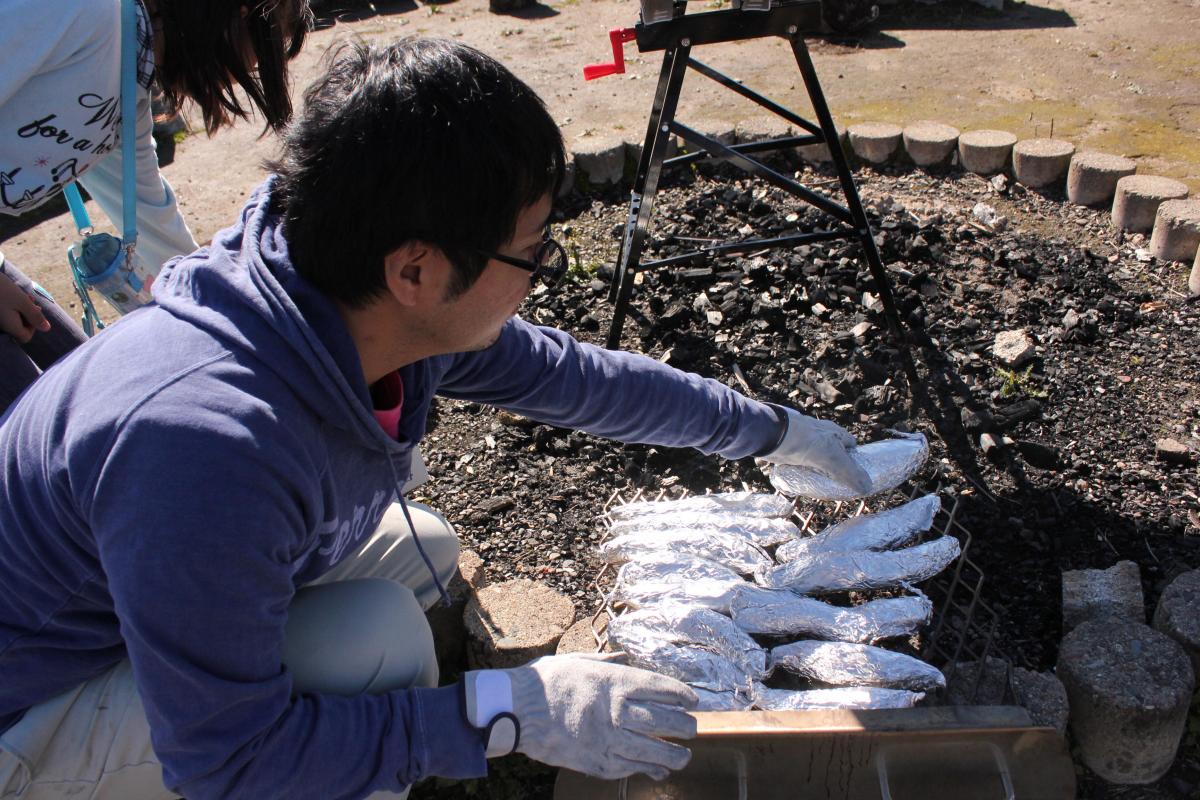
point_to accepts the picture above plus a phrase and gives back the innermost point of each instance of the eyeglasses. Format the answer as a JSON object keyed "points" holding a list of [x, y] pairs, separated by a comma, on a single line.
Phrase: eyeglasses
{"points": [[548, 265]]}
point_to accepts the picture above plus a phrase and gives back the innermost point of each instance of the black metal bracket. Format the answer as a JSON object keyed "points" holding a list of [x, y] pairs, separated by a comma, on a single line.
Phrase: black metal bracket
{"points": [[789, 19]]}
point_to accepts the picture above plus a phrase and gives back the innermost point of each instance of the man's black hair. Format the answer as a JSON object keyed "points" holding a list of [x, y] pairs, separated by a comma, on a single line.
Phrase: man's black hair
{"points": [[423, 140]]}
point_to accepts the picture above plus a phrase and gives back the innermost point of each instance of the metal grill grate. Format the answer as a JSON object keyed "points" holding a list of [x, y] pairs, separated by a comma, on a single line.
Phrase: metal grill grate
{"points": [[963, 628]]}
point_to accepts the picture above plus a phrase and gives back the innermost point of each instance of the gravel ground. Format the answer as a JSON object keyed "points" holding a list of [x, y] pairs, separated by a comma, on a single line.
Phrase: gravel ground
{"points": [[1080, 486]]}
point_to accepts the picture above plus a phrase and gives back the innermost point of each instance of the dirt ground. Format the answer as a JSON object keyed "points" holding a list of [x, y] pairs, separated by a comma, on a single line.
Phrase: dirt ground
{"points": [[1116, 76]]}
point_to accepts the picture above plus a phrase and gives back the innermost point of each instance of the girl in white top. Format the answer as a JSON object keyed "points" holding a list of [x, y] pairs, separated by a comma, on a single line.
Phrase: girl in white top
{"points": [[60, 121]]}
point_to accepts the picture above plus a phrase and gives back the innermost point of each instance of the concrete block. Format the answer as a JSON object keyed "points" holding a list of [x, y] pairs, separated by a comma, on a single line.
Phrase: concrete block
{"points": [[1137, 200], [1014, 348], [509, 624], [875, 142], [751, 131], [446, 622], [600, 159], [568, 182], [930, 144], [1194, 278], [819, 153], [723, 132], [1041, 163], [1129, 689], [985, 152], [1176, 230], [579, 638], [1043, 695], [1098, 593], [1092, 177], [1178, 614]]}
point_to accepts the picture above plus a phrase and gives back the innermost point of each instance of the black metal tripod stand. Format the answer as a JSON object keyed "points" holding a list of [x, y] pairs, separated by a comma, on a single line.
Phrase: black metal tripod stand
{"points": [[676, 37]]}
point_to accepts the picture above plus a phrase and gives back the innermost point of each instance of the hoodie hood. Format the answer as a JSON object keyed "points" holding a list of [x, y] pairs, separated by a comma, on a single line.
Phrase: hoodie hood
{"points": [[243, 290]]}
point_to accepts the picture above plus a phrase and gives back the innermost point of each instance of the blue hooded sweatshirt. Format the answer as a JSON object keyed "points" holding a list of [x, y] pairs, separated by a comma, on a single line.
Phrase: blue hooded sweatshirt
{"points": [[166, 488]]}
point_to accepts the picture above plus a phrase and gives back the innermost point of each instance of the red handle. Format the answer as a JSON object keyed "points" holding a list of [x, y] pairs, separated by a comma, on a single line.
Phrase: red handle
{"points": [[618, 37]]}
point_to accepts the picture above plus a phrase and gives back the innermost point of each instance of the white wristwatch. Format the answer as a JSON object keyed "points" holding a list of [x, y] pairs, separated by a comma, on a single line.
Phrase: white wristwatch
{"points": [[489, 706]]}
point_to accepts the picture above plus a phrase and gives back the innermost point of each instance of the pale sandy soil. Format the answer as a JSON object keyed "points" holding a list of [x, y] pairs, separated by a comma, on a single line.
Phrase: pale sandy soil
{"points": [[1111, 75]]}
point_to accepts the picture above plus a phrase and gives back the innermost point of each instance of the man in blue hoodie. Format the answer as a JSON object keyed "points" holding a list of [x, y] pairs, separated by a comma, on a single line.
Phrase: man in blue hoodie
{"points": [[194, 602]]}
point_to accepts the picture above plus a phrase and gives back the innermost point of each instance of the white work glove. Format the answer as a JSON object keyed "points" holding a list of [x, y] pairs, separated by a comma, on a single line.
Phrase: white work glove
{"points": [[588, 714], [822, 445]]}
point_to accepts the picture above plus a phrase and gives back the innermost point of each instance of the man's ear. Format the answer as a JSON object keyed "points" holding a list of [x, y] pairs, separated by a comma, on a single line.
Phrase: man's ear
{"points": [[413, 271]]}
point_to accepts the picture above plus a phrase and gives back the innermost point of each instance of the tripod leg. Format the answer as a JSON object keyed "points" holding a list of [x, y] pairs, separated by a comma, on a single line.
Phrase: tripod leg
{"points": [[639, 180], [649, 171], [854, 203]]}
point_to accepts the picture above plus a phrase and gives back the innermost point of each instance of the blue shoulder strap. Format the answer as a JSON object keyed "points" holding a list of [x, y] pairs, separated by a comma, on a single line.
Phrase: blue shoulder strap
{"points": [[129, 48]]}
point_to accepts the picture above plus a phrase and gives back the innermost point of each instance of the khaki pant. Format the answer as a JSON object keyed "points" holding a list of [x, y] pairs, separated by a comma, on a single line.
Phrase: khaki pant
{"points": [[358, 629]]}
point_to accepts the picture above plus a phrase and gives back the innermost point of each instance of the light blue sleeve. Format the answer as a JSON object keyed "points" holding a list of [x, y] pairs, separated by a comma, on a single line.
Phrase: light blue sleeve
{"points": [[162, 232]]}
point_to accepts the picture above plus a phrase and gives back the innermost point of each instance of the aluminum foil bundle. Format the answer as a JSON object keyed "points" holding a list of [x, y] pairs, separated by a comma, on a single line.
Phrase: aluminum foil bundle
{"points": [[675, 578], [723, 701], [862, 569], [778, 612], [750, 504], [888, 463], [850, 697], [846, 664], [763, 531], [729, 549], [689, 626], [885, 530], [695, 666]]}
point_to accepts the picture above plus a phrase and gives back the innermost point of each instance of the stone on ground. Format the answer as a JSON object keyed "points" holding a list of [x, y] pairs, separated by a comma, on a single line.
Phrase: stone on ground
{"points": [[1014, 348], [1138, 197], [600, 158], [1173, 451], [512, 623], [446, 622], [985, 152], [1129, 688], [875, 142], [1092, 177], [819, 153], [579, 638], [1039, 163], [930, 144], [1043, 695], [1178, 614], [568, 182], [1176, 230], [1098, 593]]}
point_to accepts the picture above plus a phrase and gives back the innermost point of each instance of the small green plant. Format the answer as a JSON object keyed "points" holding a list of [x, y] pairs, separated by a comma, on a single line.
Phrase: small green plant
{"points": [[1017, 384], [179, 136]]}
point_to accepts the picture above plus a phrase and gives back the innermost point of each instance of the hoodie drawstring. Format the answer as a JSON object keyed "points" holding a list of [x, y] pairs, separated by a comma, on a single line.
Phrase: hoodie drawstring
{"points": [[417, 539]]}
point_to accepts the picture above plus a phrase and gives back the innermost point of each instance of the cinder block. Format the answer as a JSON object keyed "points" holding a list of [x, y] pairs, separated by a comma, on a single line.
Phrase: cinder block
{"points": [[819, 153], [1129, 689], [509, 624], [985, 152], [875, 142], [1178, 614], [1097, 593], [600, 159], [930, 144], [1194, 278], [1092, 177], [1041, 163], [1176, 230], [1137, 200]]}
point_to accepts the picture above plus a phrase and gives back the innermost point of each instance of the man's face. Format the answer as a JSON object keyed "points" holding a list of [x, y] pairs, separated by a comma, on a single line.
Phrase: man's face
{"points": [[474, 318]]}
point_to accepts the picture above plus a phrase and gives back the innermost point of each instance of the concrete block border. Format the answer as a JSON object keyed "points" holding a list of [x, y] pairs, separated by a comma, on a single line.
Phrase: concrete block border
{"points": [[1047, 165]]}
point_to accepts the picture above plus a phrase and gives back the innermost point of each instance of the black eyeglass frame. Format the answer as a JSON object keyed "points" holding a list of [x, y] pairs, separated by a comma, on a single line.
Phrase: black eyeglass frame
{"points": [[537, 268]]}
